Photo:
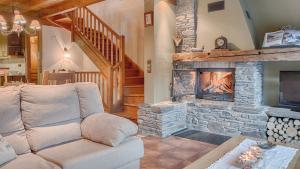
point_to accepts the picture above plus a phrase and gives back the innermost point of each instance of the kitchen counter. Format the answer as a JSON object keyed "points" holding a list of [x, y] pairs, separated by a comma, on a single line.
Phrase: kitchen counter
{"points": [[15, 74]]}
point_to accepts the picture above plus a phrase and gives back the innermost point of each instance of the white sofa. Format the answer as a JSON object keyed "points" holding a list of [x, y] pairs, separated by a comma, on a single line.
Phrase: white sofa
{"points": [[65, 127]]}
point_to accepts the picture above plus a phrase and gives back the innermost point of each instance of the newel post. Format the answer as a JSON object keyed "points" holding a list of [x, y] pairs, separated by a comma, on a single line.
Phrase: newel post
{"points": [[122, 69], [111, 90]]}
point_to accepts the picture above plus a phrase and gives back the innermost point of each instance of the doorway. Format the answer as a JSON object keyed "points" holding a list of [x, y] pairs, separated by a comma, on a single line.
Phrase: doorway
{"points": [[33, 59]]}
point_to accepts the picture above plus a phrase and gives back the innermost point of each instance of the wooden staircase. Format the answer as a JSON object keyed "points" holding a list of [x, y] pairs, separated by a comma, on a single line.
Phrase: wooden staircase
{"points": [[133, 89], [122, 80]]}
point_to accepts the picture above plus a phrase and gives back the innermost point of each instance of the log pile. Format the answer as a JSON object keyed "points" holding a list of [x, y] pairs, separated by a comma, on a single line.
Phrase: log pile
{"points": [[283, 130]]}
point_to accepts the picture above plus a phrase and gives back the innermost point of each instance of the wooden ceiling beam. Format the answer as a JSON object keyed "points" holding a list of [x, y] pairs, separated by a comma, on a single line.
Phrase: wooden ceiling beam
{"points": [[66, 5], [35, 5]]}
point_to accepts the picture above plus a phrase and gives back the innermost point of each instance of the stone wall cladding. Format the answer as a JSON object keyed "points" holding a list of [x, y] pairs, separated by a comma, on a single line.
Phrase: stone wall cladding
{"points": [[248, 84], [220, 117], [184, 82], [186, 23], [162, 119]]}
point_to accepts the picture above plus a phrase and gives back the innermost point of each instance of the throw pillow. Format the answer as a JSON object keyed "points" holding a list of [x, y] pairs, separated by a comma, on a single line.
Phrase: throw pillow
{"points": [[107, 129]]}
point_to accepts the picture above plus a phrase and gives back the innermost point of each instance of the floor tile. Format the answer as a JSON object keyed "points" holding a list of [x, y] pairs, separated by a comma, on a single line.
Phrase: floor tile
{"points": [[172, 152]]}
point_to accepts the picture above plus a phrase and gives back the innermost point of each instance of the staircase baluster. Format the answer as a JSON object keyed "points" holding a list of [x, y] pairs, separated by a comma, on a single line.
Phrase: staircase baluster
{"points": [[95, 31], [90, 27], [102, 40], [111, 49], [99, 33], [84, 20], [116, 50]]}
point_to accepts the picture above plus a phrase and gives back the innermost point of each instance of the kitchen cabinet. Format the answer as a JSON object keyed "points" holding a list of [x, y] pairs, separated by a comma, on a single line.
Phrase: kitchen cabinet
{"points": [[15, 44]]}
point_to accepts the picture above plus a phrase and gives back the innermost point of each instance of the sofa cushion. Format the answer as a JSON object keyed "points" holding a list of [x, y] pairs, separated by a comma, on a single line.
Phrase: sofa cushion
{"points": [[19, 142], [43, 137], [89, 98], [11, 125], [10, 111], [107, 129], [7, 153], [51, 115], [29, 161], [83, 153], [44, 105]]}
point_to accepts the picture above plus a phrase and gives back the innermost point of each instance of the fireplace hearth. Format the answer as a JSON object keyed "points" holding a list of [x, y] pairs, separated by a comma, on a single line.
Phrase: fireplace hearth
{"points": [[215, 84]]}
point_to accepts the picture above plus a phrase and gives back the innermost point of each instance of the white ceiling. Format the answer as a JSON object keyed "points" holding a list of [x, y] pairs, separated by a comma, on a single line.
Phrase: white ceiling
{"points": [[271, 15]]}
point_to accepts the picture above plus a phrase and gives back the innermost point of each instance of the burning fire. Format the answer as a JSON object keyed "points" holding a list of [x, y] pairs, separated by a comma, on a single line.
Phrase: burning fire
{"points": [[217, 82]]}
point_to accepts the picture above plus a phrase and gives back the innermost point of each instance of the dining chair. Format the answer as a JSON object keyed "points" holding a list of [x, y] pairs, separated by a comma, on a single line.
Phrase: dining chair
{"points": [[58, 78]]}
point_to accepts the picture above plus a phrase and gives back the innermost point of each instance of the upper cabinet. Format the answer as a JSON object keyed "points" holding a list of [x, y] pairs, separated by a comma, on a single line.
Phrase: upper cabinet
{"points": [[15, 45], [3, 46]]}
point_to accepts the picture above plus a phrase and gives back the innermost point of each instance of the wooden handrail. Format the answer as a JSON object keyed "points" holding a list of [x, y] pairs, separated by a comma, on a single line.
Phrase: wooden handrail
{"points": [[98, 78], [103, 37], [102, 21], [108, 48]]}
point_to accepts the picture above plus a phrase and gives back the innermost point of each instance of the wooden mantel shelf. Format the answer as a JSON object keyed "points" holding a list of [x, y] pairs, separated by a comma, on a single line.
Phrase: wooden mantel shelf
{"points": [[276, 54]]}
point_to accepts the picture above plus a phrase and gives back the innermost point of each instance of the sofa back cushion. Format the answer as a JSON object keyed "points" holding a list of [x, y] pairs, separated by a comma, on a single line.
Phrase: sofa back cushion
{"points": [[51, 114], [7, 152], [89, 98], [11, 125]]}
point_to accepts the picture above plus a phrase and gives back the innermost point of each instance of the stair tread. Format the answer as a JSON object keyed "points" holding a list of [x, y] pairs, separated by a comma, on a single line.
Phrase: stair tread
{"points": [[134, 86], [132, 69], [134, 77], [131, 105], [134, 95], [123, 114]]}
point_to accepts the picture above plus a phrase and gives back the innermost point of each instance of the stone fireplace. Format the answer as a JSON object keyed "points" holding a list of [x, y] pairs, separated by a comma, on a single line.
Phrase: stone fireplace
{"points": [[224, 95], [215, 84]]}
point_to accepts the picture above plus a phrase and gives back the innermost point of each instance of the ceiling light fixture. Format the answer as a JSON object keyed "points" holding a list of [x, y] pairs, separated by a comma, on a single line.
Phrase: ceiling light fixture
{"points": [[18, 25]]}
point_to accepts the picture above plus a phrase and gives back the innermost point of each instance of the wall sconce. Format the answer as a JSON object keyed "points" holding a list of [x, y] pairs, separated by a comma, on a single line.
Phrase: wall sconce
{"points": [[66, 53]]}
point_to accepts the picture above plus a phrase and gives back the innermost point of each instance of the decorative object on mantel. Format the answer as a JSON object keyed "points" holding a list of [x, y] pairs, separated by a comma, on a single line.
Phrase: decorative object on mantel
{"points": [[197, 49], [221, 43], [286, 37], [177, 38]]}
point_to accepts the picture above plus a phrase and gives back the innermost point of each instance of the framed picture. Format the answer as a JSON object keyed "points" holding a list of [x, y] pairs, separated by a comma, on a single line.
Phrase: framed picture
{"points": [[148, 17], [273, 39], [283, 38]]}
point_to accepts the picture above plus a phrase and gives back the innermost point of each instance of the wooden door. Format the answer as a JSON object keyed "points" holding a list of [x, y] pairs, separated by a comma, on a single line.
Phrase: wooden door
{"points": [[32, 59]]}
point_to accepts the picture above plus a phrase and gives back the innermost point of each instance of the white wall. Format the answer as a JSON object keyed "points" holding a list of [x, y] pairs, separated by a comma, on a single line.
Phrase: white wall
{"points": [[148, 55], [230, 23], [164, 29], [126, 17], [54, 40]]}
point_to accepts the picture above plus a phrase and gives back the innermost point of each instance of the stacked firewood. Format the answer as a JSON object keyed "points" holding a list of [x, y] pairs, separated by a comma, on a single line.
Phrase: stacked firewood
{"points": [[283, 130]]}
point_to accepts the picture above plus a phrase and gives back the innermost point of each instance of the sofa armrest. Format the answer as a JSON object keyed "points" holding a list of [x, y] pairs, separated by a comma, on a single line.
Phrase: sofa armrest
{"points": [[107, 129]]}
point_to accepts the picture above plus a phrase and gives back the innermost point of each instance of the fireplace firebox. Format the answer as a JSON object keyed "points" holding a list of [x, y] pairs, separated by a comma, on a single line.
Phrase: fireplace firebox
{"points": [[215, 84], [289, 95]]}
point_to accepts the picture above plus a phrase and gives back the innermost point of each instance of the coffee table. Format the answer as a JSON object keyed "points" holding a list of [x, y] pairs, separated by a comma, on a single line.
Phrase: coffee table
{"points": [[207, 160]]}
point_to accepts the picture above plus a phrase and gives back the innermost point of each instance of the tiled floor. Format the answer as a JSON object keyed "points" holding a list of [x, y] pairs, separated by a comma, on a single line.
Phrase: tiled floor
{"points": [[172, 152]]}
